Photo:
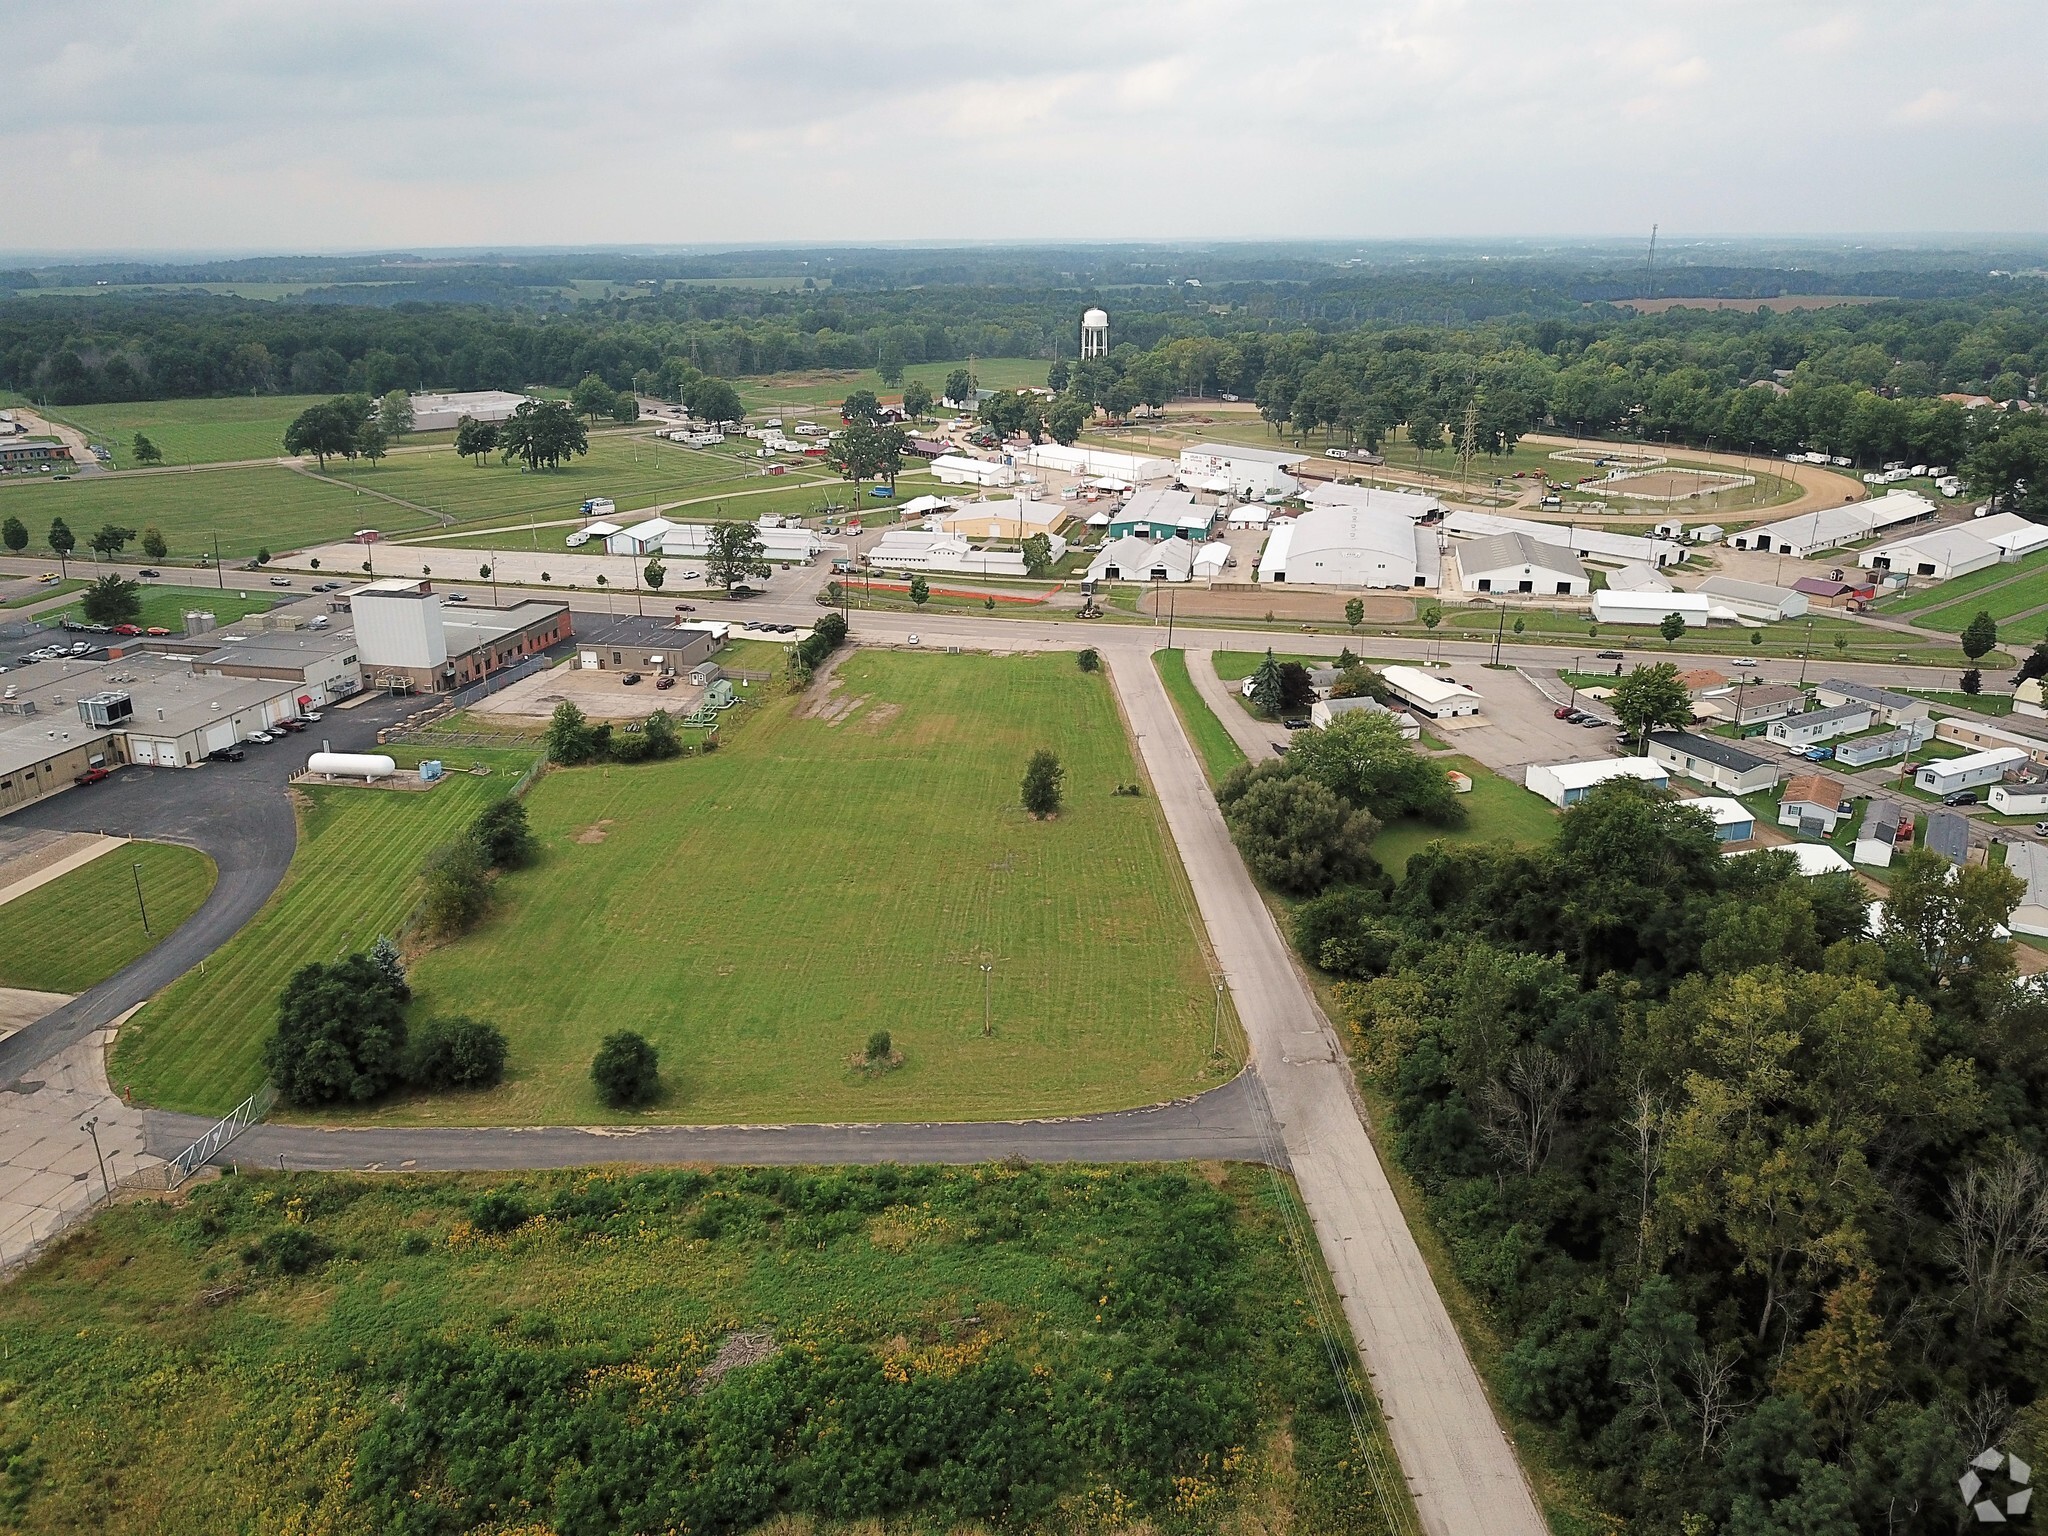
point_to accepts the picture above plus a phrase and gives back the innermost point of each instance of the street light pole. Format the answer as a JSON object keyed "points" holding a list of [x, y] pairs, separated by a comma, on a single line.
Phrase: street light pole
{"points": [[987, 983], [92, 1129], [1216, 1020], [137, 869]]}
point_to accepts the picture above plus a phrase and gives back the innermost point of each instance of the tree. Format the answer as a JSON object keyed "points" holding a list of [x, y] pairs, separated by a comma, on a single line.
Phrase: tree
{"points": [[713, 400], [503, 836], [625, 407], [960, 388], [592, 397], [1043, 778], [1037, 555], [1057, 375], [1431, 617], [1361, 758], [569, 739], [1358, 681], [1269, 690], [323, 430], [1354, 612], [474, 439], [110, 540], [917, 400], [920, 590], [145, 451], [14, 534], [1297, 688], [626, 1070], [655, 574], [542, 433], [340, 1035], [372, 441], [458, 888], [390, 964], [394, 414], [111, 600], [889, 367], [62, 541], [1650, 697], [735, 556], [861, 406], [1298, 836], [456, 1052], [154, 544], [1671, 627], [1980, 635], [1069, 414], [1973, 682], [1089, 660], [864, 451]]}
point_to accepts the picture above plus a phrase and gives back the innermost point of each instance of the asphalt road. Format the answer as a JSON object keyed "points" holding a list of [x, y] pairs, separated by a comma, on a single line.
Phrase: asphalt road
{"points": [[238, 814], [1224, 1123]]}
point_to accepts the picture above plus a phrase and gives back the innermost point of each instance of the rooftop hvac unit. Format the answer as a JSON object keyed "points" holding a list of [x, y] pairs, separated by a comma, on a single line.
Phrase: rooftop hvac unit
{"points": [[108, 708]]}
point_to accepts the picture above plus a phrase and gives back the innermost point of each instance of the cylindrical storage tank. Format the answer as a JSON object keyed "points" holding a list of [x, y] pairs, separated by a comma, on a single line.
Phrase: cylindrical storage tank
{"points": [[351, 765]]}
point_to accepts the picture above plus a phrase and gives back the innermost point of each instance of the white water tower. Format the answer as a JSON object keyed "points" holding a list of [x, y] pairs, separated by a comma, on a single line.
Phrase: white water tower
{"points": [[1095, 333]]}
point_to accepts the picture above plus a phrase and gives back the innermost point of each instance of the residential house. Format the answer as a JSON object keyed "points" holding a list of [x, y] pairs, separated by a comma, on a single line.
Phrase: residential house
{"points": [[1713, 761], [1814, 803], [1947, 775], [1887, 829], [1566, 784], [1819, 725]]}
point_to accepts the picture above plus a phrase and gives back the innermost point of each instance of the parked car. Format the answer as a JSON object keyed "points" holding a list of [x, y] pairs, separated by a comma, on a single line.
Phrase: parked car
{"points": [[630, 679], [666, 680], [149, 570], [913, 639], [1594, 723], [1960, 797], [310, 716], [1819, 754], [1562, 712], [289, 725], [226, 755], [156, 630], [1297, 724], [92, 776], [127, 629], [261, 738], [2041, 829]]}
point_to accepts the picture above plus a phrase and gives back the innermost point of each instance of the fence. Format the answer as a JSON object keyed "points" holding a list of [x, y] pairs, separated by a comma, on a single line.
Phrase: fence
{"points": [[225, 1130]]}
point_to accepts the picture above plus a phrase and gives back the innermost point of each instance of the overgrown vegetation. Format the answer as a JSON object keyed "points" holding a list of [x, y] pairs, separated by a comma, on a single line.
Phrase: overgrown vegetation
{"points": [[1754, 1196], [1031, 1349]]}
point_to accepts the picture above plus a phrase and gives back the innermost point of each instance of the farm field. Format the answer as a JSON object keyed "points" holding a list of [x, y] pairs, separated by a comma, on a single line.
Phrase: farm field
{"points": [[165, 607], [197, 1046], [769, 393], [81, 928], [249, 508], [1218, 750], [193, 431], [1038, 1350], [759, 912]]}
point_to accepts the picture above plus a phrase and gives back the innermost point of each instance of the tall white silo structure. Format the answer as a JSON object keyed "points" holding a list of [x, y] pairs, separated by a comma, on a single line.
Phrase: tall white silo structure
{"points": [[1095, 333]]}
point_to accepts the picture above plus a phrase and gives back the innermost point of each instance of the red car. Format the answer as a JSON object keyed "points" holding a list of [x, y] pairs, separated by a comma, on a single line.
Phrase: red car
{"points": [[127, 629], [1563, 712], [92, 776], [156, 630]]}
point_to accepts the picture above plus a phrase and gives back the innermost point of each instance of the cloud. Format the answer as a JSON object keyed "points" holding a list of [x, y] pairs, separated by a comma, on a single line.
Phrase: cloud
{"points": [[237, 124]]}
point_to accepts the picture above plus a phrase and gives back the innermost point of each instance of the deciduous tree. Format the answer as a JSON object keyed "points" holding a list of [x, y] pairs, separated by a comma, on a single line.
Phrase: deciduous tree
{"points": [[735, 555], [144, 451], [1042, 785]]}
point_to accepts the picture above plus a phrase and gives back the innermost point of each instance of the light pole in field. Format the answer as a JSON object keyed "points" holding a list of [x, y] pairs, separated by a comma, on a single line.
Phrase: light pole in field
{"points": [[92, 1129], [987, 986]]}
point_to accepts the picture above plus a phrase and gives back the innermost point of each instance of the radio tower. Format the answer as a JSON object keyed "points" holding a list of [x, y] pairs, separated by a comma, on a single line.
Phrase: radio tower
{"points": [[1652, 267]]}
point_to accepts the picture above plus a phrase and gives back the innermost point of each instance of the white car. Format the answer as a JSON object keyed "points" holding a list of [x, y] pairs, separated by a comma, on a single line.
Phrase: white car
{"points": [[260, 736], [913, 639], [311, 717]]}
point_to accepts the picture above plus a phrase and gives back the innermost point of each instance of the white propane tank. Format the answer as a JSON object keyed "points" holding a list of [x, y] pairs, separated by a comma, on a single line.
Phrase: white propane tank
{"points": [[351, 765]]}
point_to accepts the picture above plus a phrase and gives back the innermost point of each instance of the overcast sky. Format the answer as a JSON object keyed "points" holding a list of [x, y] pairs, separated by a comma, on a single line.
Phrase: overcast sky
{"points": [[250, 124]]}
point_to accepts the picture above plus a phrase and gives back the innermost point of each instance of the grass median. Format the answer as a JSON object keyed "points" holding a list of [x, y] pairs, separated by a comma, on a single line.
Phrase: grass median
{"points": [[1213, 743], [82, 927]]}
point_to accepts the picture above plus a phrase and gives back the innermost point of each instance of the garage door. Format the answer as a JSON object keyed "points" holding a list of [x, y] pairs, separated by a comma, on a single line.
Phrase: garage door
{"points": [[141, 751], [218, 736]]}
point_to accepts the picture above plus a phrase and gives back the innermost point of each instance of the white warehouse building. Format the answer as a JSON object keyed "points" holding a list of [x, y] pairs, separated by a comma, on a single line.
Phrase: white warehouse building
{"points": [[1350, 547], [1516, 562], [1564, 784], [1230, 469], [1832, 526], [1650, 608]]}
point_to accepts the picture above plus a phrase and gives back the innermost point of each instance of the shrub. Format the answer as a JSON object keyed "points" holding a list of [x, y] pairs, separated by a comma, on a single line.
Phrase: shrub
{"points": [[340, 1034], [570, 738], [1090, 660], [879, 1045], [287, 1251], [626, 1070], [456, 1052], [502, 835], [1043, 777], [497, 1212], [458, 888], [1297, 835]]}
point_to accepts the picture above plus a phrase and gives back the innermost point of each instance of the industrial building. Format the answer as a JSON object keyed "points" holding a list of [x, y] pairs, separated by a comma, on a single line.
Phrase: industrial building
{"points": [[2030, 862], [1136, 559], [1161, 513], [1938, 554], [1413, 505], [959, 469], [1833, 526], [1517, 562], [1711, 760], [321, 664], [1650, 608], [1097, 463], [1229, 469], [1566, 784], [406, 642], [1733, 599], [444, 413], [1437, 697], [1586, 543], [1001, 517], [1349, 546]]}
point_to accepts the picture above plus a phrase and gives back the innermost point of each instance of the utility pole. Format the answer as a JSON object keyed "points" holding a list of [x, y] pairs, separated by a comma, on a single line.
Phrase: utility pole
{"points": [[218, 575], [987, 983], [92, 1129], [1216, 1020], [1171, 596], [1466, 442], [1499, 630]]}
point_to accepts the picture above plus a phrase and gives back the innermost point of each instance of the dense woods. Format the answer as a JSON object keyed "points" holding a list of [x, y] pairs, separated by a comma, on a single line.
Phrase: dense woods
{"points": [[1754, 1192]]}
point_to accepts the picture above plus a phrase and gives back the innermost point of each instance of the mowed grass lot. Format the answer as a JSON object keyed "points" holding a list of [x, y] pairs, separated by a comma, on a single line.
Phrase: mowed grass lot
{"points": [[1499, 811], [1939, 594], [166, 607], [194, 431], [1216, 747], [2004, 603], [249, 509], [82, 927], [829, 386], [198, 1045], [757, 913]]}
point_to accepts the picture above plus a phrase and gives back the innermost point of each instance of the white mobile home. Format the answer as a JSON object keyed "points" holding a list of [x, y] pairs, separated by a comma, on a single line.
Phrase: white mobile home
{"points": [[1950, 774], [2018, 799], [1564, 784], [1886, 828], [1713, 760], [1819, 725]]}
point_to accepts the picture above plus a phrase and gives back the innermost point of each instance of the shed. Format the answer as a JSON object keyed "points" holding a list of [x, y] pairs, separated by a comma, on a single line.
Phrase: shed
{"points": [[1649, 608]]}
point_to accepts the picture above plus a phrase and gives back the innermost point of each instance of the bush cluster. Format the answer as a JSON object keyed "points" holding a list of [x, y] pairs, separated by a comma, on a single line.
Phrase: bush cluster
{"points": [[627, 1071], [572, 740]]}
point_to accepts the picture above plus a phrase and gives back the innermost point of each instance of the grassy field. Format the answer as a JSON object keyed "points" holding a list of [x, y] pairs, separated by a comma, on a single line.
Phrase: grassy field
{"points": [[1499, 811], [2002, 603], [759, 912], [1219, 752], [193, 431], [165, 607], [1025, 1349], [42, 594], [248, 508], [829, 386], [1940, 593], [197, 1046], [82, 927]]}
